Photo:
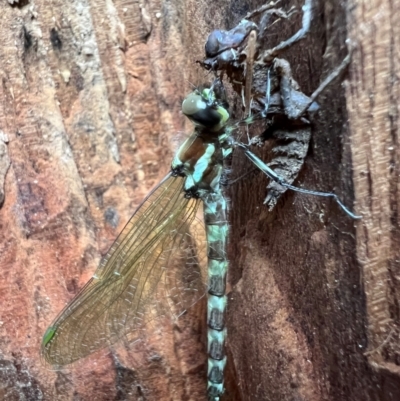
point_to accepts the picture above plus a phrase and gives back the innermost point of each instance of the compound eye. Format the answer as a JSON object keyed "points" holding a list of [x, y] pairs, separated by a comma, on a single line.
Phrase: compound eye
{"points": [[192, 104], [199, 111]]}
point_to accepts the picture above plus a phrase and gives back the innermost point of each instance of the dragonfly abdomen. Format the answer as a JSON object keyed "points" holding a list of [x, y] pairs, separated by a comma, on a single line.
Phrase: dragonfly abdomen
{"points": [[215, 210]]}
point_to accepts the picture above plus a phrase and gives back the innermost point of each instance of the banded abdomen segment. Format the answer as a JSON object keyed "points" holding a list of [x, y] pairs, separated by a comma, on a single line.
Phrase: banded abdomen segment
{"points": [[215, 211]]}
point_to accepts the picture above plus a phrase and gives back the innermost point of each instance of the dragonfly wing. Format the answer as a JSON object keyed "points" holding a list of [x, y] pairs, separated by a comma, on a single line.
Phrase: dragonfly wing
{"points": [[152, 269]]}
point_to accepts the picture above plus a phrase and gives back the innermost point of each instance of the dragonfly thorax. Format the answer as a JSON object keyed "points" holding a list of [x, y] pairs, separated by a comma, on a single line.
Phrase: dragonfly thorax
{"points": [[200, 157]]}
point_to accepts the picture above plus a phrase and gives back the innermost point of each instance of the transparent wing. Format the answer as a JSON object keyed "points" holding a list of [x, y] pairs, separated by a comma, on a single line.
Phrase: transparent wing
{"points": [[152, 269]]}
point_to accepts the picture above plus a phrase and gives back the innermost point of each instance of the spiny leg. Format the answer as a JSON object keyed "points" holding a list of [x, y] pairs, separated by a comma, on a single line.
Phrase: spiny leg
{"points": [[295, 103], [327, 81], [271, 173], [267, 10], [270, 54], [283, 69], [262, 9], [282, 182], [292, 110], [278, 179], [265, 20]]}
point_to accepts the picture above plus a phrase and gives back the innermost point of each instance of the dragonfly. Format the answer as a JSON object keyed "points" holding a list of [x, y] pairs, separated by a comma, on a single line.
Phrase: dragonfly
{"points": [[138, 280], [135, 282]]}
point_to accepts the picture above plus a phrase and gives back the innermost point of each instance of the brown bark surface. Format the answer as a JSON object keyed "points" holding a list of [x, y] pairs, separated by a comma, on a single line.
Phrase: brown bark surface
{"points": [[90, 106], [314, 310]]}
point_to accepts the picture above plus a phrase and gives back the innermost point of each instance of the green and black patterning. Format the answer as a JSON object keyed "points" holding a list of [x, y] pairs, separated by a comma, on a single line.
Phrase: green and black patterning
{"points": [[138, 271], [200, 159]]}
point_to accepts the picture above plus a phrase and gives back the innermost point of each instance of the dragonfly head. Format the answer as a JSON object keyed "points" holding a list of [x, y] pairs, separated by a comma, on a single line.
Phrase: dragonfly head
{"points": [[207, 107]]}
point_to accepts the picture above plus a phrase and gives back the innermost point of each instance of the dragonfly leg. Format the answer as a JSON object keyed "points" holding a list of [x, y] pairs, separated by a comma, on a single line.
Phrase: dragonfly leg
{"points": [[281, 181], [268, 89], [264, 9], [267, 11], [269, 55], [327, 81]]}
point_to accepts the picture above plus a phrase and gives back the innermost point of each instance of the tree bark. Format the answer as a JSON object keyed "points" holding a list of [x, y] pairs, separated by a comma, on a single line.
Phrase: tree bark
{"points": [[314, 310], [90, 106]]}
